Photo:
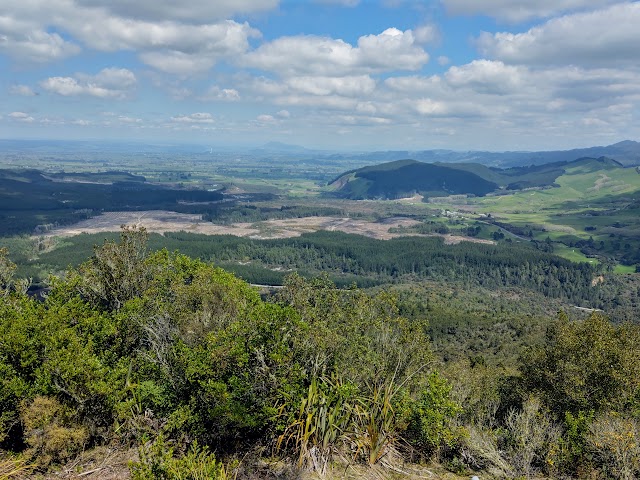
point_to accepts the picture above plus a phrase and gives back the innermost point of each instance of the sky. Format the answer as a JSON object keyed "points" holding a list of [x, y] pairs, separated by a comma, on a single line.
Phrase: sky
{"points": [[331, 74]]}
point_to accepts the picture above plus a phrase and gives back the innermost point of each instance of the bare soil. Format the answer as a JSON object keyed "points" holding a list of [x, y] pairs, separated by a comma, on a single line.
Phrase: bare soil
{"points": [[159, 221]]}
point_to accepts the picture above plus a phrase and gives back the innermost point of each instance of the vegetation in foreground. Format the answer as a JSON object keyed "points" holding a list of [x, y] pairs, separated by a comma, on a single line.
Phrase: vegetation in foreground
{"points": [[188, 363]]}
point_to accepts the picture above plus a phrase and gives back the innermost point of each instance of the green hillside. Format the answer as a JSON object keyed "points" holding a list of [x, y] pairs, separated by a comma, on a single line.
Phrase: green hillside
{"points": [[594, 211], [405, 178]]}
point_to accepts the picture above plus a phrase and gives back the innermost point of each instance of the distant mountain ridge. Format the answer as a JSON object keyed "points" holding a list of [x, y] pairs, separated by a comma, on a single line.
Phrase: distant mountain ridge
{"points": [[626, 152], [405, 178]]}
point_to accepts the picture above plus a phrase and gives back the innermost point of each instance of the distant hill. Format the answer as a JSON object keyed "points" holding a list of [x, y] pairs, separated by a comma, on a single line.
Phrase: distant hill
{"points": [[627, 153], [404, 178]]}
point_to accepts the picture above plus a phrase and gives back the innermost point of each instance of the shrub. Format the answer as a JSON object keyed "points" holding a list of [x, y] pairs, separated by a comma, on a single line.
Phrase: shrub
{"points": [[520, 448], [615, 440], [432, 417], [157, 462], [50, 432]]}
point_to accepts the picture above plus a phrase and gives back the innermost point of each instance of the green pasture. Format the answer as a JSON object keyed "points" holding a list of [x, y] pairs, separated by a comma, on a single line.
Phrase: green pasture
{"points": [[573, 254]]}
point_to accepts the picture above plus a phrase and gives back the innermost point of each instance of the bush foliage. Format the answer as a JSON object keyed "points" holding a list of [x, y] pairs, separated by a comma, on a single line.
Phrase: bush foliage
{"points": [[184, 359]]}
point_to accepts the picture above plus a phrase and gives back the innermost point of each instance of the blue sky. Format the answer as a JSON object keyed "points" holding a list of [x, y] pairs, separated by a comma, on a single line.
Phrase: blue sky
{"points": [[332, 74]]}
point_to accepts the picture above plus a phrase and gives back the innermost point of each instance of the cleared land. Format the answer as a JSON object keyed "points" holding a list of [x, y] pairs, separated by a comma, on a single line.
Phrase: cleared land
{"points": [[164, 221], [158, 221]]}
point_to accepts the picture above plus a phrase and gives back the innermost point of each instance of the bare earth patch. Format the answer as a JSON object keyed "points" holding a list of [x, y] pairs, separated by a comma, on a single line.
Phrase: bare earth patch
{"points": [[159, 221], [163, 221]]}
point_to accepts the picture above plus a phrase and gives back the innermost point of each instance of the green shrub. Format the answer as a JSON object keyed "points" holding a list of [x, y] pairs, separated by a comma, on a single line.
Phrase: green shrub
{"points": [[158, 462], [50, 432], [432, 417]]}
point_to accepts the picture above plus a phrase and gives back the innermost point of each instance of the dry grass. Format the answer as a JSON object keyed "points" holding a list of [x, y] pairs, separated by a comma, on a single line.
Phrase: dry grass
{"points": [[101, 463], [14, 468]]}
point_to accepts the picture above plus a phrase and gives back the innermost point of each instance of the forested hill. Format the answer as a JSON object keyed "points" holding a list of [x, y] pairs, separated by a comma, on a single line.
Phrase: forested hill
{"points": [[407, 177], [349, 259], [30, 198], [404, 178]]}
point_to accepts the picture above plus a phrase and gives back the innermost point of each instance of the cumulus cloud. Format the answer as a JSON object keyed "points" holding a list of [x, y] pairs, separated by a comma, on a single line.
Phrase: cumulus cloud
{"points": [[169, 36], [428, 33], [284, 114], [346, 86], [194, 118], [521, 10], [21, 117], [223, 38], [129, 120], [22, 90], [313, 55], [266, 118], [361, 120], [414, 84], [168, 46], [108, 83], [600, 38], [190, 10], [215, 93], [27, 42], [487, 76]]}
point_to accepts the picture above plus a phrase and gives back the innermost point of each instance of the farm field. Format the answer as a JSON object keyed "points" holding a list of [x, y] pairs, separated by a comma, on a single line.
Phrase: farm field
{"points": [[597, 207]]}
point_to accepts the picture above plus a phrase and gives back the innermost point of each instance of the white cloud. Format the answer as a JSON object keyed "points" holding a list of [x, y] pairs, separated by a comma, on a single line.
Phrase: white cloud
{"points": [[194, 118], [224, 38], [265, 87], [517, 11], [174, 37], [215, 93], [347, 86], [111, 78], [443, 60], [606, 37], [22, 90], [108, 83], [176, 62], [129, 120], [486, 76], [425, 34], [428, 106], [186, 10], [414, 83], [333, 102], [304, 55], [265, 118], [284, 114], [360, 120], [21, 117], [25, 41]]}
